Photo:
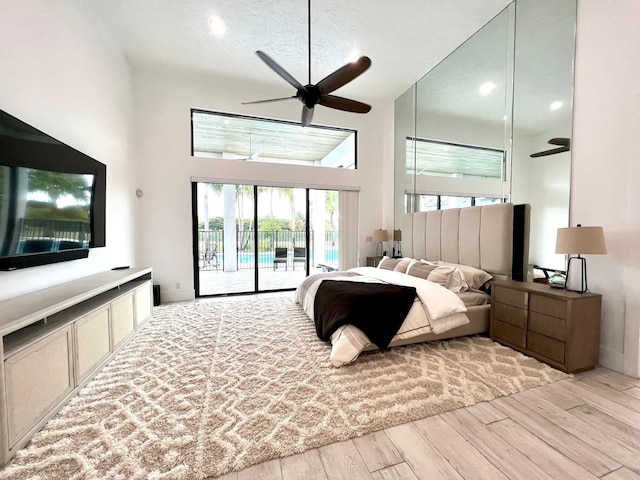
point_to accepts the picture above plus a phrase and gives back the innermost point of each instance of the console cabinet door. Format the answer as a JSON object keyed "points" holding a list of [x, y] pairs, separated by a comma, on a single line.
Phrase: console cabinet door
{"points": [[122, 318], [92, 341], [143, 297], [37, 378]]}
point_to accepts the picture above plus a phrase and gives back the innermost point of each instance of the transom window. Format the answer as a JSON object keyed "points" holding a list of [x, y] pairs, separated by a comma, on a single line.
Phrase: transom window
{"points": [[421, 202], [238, 137], [442, 159]]}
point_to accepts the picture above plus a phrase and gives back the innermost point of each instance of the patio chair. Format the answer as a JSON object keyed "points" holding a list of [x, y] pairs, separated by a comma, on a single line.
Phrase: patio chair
{"points": [[280, 257], [210, 256], [299, 255]]}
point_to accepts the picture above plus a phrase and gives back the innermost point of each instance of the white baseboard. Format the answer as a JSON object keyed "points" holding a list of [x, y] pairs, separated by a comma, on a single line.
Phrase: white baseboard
{"points": [[611, 359], [177, 295]]}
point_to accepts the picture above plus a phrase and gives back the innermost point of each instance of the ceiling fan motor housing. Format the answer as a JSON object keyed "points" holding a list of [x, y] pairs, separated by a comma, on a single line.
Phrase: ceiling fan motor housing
{"points": [[309, 95]]}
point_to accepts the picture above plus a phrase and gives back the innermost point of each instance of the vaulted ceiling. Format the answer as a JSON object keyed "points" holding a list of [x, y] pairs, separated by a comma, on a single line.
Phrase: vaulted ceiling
{"points": [[404, 39]]}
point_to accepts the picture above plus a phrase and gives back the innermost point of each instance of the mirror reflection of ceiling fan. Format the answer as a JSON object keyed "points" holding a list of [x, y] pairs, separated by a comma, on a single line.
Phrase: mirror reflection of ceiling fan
{"points": [[320, 94], [565, 146], [253, 156]]}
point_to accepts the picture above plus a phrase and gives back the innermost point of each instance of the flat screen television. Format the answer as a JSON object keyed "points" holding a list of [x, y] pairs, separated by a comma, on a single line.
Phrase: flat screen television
{"points": [[52, 198]]}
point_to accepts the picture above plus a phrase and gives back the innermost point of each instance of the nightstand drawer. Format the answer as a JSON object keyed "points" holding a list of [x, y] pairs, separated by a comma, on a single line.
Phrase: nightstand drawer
{"points": [[508, 314], [510, 334], [550, 326], [548, 306], [511, 297], [545, 346]]}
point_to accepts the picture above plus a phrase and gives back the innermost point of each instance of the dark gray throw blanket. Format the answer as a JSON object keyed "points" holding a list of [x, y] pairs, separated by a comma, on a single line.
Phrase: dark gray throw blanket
{"points": [[378, 309]]}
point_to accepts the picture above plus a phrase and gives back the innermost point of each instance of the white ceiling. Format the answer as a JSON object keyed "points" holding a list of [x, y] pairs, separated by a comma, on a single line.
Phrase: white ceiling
{"points": [[404, 38]]}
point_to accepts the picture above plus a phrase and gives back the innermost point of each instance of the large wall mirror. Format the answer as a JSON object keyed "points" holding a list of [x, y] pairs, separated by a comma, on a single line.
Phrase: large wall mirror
{"points": [[465, 133]]}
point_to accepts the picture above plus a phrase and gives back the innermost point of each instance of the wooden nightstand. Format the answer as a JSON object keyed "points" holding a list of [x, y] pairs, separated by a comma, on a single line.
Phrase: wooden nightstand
{"points": [[373, 261], [555, 326]]}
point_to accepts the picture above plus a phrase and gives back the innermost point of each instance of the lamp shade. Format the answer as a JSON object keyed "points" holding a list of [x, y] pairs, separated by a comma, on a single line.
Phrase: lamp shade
{"points": [[581, 240], [397, 235], [380, 236]]}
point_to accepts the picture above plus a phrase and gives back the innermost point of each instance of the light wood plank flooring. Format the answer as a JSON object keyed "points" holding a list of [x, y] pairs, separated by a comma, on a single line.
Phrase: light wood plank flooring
{"points": [[587, 427]]}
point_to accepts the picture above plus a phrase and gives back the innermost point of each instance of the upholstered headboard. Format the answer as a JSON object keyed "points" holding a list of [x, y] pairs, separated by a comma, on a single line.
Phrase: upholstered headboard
{"points": [[494, 238]]}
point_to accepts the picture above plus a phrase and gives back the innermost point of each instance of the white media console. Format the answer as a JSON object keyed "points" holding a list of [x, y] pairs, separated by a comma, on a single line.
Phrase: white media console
{"points": [[56, 339]]}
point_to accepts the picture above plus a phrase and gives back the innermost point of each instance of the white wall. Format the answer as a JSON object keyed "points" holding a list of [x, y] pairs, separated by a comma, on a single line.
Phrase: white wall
{"points": [[62, 75], [606, 167], [165, 166]]}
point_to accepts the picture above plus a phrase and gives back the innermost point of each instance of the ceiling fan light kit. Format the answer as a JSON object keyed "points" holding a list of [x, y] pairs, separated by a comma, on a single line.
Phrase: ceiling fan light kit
{"points": [[320, 94]]}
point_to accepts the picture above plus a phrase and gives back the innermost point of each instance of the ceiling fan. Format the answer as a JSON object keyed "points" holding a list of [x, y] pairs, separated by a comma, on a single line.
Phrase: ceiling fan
{"points": [[320, 94]]}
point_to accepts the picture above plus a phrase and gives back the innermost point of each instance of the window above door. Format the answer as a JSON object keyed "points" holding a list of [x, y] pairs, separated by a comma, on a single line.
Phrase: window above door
{"points": [[244, 138]]}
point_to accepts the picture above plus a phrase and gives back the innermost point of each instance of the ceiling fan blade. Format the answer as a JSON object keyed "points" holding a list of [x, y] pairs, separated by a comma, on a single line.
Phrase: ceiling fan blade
{"points": [[269, 100], [341, 103], [553, 151], [307, 116], [343, 75], [565, 142], [278, 69], [565, 147]]}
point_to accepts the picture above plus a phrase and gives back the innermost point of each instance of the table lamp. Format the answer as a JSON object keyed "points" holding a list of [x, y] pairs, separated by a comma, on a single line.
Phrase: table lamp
{"points": [[580, 241], [380, 236], [397, 238]]}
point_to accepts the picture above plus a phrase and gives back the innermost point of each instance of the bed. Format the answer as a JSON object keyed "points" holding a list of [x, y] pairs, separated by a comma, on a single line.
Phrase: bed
{"points": [[471, 246]]}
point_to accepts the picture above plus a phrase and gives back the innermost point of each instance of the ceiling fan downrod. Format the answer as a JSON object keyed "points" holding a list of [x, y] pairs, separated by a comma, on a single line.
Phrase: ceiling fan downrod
{"points": [[319, 94]]}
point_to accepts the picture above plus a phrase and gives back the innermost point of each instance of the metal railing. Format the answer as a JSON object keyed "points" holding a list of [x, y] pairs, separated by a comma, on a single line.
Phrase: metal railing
{"points": [[34, 229], [211, 248]]}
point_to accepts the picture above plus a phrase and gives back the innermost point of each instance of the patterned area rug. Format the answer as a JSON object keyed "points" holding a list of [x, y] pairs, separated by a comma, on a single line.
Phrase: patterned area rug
{"points": [[207, 388]]}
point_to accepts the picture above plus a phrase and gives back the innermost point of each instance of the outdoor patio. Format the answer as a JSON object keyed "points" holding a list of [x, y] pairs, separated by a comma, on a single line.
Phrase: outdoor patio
{"points": [[217, 282]]}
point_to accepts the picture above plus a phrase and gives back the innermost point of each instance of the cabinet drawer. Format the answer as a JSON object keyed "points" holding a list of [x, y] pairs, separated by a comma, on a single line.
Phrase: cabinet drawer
{"points": [[143, 300], [508, 314], [550, 326], [37, 378], [511, 297], [510, 334], [548, 306], [546, 346], [92, 342], [122, 318]]}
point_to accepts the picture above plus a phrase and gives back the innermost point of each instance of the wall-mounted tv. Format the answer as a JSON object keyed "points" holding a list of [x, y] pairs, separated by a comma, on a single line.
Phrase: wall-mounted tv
{"points": [[52, 198]]}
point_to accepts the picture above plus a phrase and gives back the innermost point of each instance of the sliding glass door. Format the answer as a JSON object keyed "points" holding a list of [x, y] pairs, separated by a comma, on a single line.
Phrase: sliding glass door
{"points": [[282, 237], [258, 238], [323, 223], [224, 234]]}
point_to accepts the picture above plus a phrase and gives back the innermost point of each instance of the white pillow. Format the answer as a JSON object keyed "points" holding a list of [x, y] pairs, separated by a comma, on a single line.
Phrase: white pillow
{"points": [[475, 277], [448, 276], [455, 280]]}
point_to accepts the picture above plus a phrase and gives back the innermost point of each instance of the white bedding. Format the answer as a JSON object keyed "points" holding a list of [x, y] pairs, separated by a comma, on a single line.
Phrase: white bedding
{"points": [[435, 310]]}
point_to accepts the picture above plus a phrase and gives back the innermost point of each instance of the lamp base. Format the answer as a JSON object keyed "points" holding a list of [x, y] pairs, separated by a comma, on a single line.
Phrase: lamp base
{"points": [[396, 250], [583, 275], [379, 249]]}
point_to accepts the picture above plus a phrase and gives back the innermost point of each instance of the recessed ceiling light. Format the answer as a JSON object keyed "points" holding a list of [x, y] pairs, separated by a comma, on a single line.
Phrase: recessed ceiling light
{"points": [[217, 26], [486, 88], [555, 105]]}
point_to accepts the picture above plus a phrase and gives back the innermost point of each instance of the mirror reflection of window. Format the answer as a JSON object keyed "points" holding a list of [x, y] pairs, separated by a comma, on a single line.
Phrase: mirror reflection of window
{"points": [[443, 159]]}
